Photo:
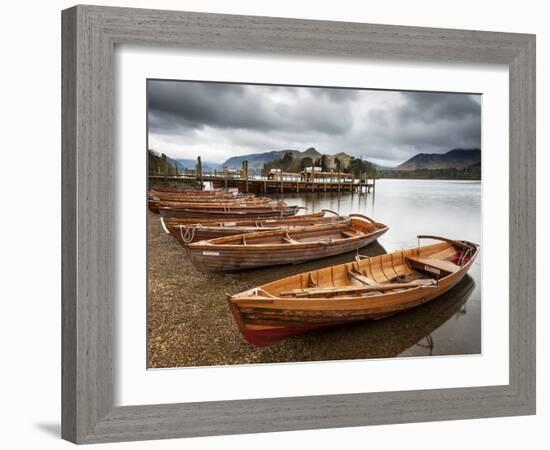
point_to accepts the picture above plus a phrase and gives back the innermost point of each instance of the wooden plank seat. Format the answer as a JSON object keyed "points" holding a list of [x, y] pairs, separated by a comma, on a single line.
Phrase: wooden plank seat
{"points": [[349, 233], [437, 264]]}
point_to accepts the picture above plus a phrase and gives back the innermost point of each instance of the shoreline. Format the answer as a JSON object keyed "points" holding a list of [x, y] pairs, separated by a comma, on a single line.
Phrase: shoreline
{"points": [[189, 323]]}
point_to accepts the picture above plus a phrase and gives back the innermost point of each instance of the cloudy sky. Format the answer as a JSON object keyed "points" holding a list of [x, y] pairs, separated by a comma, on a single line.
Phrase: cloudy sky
{"points": [[219, 120]]}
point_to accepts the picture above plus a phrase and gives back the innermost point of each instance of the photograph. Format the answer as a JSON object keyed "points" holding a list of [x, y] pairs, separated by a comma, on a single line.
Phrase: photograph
{"points": [[311, 223]]}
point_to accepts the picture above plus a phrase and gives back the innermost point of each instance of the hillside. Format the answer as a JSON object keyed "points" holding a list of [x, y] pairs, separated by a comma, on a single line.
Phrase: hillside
{"points": [[457, 164], [192, 163], [454, 159], [472, 172], [256, 160], [160, 164]]}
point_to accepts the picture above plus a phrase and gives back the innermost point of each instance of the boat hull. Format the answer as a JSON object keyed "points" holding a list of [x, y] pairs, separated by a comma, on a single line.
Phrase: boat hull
{"points": [[201, 214], [208, 258], [266, 319], [186, 234]]}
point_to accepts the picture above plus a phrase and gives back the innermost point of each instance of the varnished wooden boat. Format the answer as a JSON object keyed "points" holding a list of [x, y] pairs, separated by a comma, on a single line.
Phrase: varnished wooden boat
{"points": [[181, 189], [155, 203], [247, 199], [223, 204], [229, 213], [185, 232], [155, 199], [157, 191], [276, 247], [174, 221], [371, 288]]}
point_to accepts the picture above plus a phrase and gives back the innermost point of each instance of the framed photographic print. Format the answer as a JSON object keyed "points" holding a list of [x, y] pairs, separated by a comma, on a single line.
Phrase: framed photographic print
{"points": [[290, 215]]}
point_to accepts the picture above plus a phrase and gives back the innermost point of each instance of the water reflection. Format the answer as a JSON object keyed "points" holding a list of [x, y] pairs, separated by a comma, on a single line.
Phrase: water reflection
{"points": [[449, 325], [262, 275], [411, 333]]}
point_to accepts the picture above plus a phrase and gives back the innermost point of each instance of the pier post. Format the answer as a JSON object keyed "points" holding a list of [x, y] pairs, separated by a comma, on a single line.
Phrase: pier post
{"points": [[245, 169], [199, 171], [225, 175], [339, 180]]}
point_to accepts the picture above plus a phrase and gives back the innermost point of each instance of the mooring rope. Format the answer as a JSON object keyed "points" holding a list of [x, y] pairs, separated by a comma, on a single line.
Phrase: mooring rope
{"points": [[255, 292], [189, 235]]}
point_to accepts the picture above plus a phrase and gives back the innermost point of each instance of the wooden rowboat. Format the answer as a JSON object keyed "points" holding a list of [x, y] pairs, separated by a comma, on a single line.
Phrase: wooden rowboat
{"points": [[371, 288], [222, 204], [276, 247], [213, 200], [155, 200], [186, 233], [211, 193], [229, 213], [174, 221], [182, 189]]}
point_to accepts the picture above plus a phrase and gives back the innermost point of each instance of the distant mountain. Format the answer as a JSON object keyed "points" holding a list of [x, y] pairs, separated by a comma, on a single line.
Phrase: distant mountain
{"points": [[381, 168], [454, 159], [256, 160], [472, 172], [311, 152], [192, 163], [457, 159]]}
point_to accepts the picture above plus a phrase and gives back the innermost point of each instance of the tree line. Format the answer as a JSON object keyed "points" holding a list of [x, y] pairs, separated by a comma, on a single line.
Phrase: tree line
{"points": [[288, 163], [467, 173], [160, 164]]}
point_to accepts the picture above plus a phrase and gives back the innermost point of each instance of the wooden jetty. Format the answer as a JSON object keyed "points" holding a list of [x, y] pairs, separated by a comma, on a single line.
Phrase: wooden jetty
{"points": [[279, 182]]}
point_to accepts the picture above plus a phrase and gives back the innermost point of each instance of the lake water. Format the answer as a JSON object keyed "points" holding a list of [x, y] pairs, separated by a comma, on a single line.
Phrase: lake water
{"points": [[447, 208], [190, 323]]}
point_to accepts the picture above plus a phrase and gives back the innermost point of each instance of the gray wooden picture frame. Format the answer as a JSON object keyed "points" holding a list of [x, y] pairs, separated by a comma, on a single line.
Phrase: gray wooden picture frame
{"points": [[90, 34]]}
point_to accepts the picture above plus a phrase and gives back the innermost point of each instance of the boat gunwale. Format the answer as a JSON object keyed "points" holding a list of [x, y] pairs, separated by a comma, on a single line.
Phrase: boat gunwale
{"points": [[342, 302], [217, 244], [209, 222]]}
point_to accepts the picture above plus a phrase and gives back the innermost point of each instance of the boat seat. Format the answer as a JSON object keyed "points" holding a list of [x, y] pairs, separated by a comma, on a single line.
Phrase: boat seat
{"points": [[439, 264], [288, 239], [350, 234]]}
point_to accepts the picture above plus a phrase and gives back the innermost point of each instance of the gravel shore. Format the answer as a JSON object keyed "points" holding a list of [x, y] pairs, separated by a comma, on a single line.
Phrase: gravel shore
{"points": [[189, 323]]}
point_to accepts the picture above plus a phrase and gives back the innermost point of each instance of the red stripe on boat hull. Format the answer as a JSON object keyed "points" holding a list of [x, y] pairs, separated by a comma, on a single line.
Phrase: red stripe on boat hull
{"points": [[270, 336]]}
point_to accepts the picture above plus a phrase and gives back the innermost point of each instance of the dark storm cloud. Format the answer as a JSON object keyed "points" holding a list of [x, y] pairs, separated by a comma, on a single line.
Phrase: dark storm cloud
{"points": [[195, 105], [428, 122], [174, 106], [228, 119], [340, 95], [430, 106]]}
